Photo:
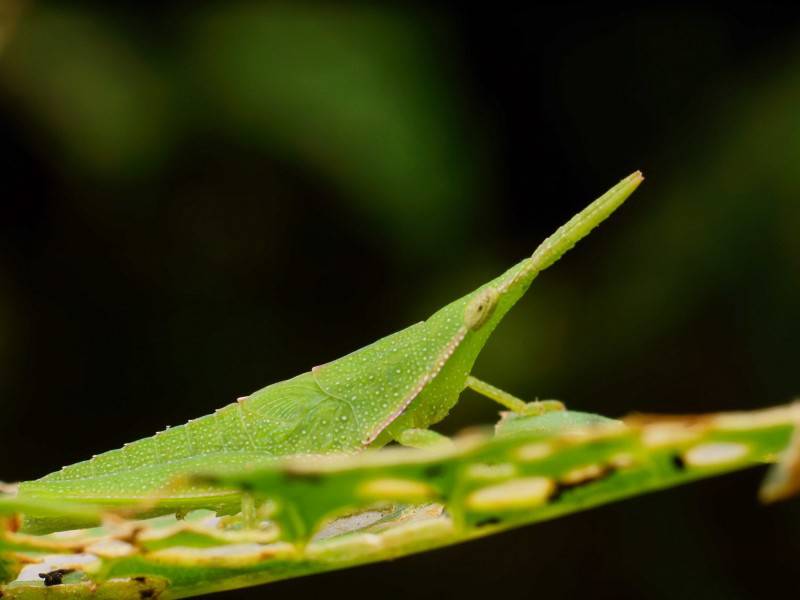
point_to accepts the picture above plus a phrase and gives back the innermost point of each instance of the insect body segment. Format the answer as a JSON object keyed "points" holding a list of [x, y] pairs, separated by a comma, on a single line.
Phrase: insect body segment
{"points": [[408, 380]]}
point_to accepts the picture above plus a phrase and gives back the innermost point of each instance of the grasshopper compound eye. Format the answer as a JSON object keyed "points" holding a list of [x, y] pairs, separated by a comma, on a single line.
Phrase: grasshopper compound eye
{"points": [[480, 308]]}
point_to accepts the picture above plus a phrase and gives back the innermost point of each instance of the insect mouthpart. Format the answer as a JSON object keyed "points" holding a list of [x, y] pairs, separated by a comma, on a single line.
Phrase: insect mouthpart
{"points": [[480, 308]]}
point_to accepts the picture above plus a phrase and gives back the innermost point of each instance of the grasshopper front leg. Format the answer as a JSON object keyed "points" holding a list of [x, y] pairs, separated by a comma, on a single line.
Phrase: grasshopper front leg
{"points": [[510, 401], [422, 438], [426, 438]]}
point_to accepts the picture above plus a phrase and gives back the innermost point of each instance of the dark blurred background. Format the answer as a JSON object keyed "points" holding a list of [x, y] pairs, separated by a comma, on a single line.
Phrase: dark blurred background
{"points": [[199, 199]]}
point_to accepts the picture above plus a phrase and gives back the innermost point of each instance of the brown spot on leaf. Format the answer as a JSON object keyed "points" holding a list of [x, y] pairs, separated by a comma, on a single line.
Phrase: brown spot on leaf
{"points": [[488, 522], [572, 484], [306, 477], [14, 523], [132, 535], [433, 471], [55, 577]]}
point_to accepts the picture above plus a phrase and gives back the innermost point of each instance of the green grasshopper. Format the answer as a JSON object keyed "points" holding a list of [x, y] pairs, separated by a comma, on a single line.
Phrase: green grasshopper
{"points": [[392, 390]]}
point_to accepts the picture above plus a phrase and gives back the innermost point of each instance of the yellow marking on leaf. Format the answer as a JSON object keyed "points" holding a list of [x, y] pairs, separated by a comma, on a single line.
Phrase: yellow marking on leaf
{"points": [[209, 534], [668, 434], [343, 548], [526, 492], [400, 490], [715, 453], [745, 421], [491, 472], [418, 531], [110, 548], [533, 452], [582, 474], [623, 460], [231, 556]]}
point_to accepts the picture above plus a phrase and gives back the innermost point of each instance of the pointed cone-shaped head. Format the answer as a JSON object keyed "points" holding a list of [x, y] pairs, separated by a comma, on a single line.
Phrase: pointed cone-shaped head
{"points": [[413, 377]]}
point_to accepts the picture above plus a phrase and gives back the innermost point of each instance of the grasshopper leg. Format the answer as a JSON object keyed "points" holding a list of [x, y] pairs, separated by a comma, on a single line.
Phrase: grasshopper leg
{"points": [[422, 438], [249, 512], [510, 401]]}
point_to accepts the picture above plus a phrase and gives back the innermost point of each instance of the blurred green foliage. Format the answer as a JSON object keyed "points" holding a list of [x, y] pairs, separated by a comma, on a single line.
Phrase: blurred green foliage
{"points": [[89, 92], [352, 93]]}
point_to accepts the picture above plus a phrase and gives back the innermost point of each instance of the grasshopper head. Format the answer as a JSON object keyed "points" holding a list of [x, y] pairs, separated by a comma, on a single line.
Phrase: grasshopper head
{"points": [[414, 377], [463, 327]]}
